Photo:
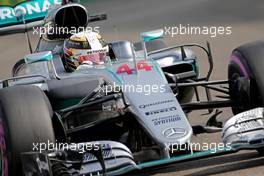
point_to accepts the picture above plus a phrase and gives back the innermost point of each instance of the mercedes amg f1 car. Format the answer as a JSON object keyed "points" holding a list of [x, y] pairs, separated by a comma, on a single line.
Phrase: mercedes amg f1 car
{"points": [[86, 123]]}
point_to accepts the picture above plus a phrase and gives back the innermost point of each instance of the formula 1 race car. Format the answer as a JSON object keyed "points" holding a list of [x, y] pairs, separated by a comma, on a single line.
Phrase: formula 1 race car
{"points": [[127, 114]]}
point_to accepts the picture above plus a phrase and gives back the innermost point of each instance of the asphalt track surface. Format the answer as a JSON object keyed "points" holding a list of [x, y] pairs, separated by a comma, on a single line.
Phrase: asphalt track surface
{"points": [[126, 19]]}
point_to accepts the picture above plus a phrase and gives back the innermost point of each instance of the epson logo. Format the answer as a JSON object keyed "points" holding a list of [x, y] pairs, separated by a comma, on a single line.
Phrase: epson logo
{"points": [[160, 111]]}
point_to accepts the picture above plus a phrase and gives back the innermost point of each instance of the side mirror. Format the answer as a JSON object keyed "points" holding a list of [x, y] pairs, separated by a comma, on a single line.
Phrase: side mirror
{"points": [[152, 35], [148, 36], [38, 57], [97, 17]]}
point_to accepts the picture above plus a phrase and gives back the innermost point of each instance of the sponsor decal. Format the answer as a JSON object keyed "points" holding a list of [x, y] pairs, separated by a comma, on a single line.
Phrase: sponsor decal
{"points": [[165, 120], [248, 126], [33, 10], [250, 115], [154, 104], [173, 133], [97, 51], [159, 111], [141, 65]]}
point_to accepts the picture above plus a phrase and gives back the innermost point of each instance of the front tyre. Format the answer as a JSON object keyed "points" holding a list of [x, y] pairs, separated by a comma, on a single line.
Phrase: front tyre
{"points": [[245, 75], [25, 118]]}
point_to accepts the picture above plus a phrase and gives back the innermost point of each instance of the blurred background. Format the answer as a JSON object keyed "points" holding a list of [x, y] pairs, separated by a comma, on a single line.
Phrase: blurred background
{"points": [[126, 19]]}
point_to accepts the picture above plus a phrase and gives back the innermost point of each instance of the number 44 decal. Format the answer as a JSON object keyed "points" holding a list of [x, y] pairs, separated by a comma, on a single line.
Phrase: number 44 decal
{"points": [[141, 65]]}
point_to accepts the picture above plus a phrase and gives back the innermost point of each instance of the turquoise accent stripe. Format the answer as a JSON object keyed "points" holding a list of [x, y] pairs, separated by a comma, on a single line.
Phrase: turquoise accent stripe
{"points": [[182, 157], [152, 35], [149, 38], [171, 160], [47, 56]]}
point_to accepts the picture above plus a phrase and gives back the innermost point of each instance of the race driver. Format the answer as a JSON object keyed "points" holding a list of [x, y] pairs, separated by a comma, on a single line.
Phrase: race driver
{"points": [[84, 48]]}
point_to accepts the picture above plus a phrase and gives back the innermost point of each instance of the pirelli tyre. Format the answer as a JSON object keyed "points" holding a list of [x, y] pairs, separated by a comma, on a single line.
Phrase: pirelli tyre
{"points": [[245, 72], [25, 118]]}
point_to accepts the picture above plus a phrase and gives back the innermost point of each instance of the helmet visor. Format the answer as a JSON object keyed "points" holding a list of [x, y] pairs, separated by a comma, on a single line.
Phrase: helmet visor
{"points": [[96, 58]]}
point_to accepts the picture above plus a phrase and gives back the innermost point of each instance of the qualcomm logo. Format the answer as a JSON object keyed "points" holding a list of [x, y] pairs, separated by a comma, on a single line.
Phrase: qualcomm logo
{"points": [[29, 8]]}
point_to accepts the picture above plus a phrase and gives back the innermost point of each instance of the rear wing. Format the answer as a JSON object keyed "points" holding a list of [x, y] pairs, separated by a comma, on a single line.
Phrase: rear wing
{"points": [[34, 12]]}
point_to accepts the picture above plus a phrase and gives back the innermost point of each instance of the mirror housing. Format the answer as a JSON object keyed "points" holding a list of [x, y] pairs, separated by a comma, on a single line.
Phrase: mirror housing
{"points": [[38, 57], [97, 17], [152, 35]]}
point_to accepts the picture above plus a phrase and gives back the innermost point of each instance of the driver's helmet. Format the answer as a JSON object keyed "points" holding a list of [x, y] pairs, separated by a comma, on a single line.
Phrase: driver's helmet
{"points": [[84, 47]]}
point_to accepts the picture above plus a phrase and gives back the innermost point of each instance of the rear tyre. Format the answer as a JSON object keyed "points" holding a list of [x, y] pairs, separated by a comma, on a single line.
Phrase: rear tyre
{"points": [[25, 116]]}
